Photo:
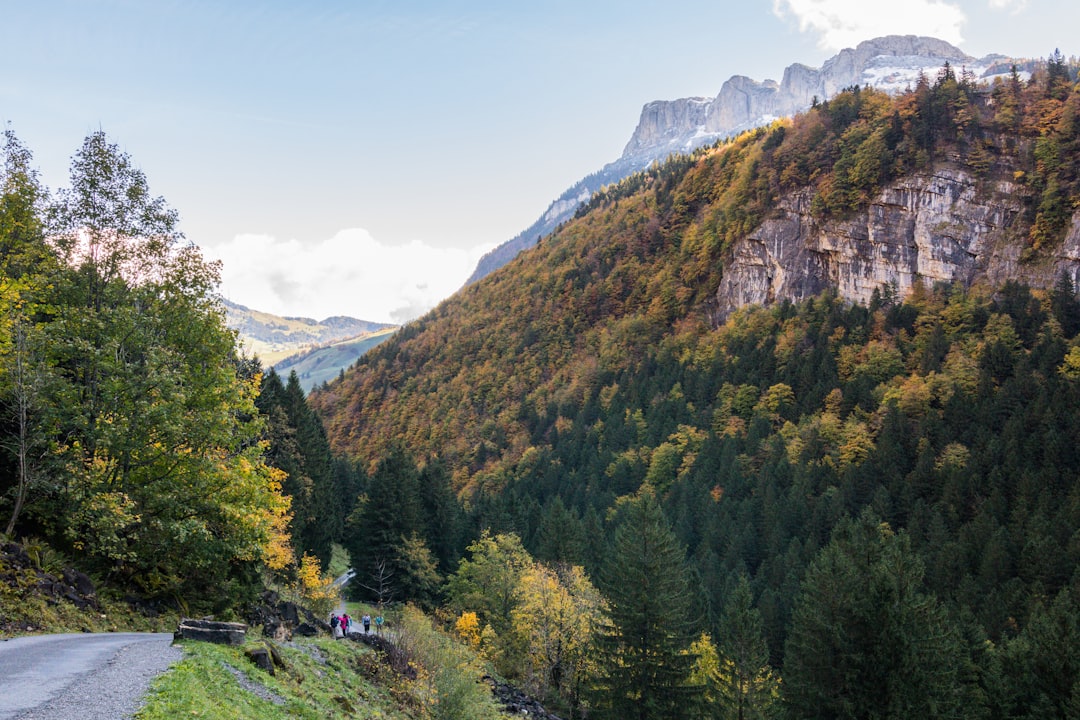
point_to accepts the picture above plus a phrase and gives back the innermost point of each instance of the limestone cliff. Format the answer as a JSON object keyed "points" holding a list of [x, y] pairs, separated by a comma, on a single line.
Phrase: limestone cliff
{"points": [[665, 127], [891, 63], [929, 227]]}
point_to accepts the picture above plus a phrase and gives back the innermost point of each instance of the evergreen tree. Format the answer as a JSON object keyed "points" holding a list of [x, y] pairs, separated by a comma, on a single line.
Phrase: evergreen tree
{"points": [[387, 515], [561, 537], [443, 517], [865, 641], [326, 506], [646, 666], [753, 688]]}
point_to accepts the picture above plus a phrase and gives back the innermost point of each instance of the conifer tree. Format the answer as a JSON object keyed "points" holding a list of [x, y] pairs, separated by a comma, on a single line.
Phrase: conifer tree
{"points": [[386, 516], [753, 688], [326, 507], [865, 641], [646, 666]]}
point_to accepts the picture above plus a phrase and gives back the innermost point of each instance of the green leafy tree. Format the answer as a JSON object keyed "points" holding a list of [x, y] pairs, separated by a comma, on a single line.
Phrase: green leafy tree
{"points": [[865, 640], [25, 268], [163, 482], [645, 664], [486, 581], [555, 623], [419, 578]]}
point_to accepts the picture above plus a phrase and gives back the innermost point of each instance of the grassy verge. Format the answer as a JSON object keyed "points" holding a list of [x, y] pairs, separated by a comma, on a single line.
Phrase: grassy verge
{"points": [[432, 678], [323, 678], [339, 561]]}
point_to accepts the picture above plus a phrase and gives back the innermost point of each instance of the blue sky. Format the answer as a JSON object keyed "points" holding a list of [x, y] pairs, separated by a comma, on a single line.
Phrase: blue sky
{"points": [[357, 157]]}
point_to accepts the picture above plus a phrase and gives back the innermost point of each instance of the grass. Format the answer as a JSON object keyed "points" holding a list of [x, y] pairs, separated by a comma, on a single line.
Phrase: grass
{"points": [[323, 678], [339, 561]]}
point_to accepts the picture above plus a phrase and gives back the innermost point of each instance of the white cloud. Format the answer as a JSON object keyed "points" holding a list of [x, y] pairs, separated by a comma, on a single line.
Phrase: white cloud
{"points": [[348, 274], [845, 23], [1014, 5]]}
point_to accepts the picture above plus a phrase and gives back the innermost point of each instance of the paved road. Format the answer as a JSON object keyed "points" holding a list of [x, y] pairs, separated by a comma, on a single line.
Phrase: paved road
{"points": [[80, 676]]}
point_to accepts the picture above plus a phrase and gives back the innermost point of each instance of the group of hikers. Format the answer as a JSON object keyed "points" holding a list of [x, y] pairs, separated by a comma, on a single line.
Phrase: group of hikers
{"points": [[342, 625]]}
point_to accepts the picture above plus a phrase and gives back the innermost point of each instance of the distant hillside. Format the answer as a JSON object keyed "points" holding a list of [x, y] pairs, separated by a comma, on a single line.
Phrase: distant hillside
{"points": [[323, 364], [273, 338]]}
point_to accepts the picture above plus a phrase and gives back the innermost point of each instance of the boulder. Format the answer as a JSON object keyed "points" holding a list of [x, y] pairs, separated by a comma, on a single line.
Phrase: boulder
{"points": [[307, 630], [262, 658], [223, 633]]}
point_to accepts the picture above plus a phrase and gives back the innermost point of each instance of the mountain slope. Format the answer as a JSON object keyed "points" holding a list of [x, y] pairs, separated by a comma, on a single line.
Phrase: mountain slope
{"points": [[651, 253], [273, 337], [891, 63], [325, 362], [602, 361]]}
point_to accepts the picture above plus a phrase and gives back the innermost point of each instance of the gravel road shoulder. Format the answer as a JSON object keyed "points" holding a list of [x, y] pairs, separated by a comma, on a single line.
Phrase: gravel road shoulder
{"points": [[114, 690]]}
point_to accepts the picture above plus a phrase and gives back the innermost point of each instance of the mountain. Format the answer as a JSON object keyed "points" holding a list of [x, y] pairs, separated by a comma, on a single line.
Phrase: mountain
{"points": [[953, 182], [273, 338], [843, 354], [325, 362], [891, 63]]}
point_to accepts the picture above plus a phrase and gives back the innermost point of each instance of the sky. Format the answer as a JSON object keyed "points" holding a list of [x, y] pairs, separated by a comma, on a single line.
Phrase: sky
{"points": [[357, 157]]}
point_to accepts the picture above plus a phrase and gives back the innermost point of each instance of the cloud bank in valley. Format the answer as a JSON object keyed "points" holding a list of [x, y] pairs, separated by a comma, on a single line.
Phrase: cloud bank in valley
{"points": [[350, 273]]}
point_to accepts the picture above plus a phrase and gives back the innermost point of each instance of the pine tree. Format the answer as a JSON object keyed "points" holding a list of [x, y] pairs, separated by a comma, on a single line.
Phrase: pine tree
{"points": [[753, 687], [865, 641], [326, 506], [646, 666], [379, 525]]}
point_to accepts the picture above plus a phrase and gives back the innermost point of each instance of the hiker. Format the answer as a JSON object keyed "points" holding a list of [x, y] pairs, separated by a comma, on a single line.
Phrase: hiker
{"points": [[345, 621], [367, 623], [378, 624], [335, 626]]}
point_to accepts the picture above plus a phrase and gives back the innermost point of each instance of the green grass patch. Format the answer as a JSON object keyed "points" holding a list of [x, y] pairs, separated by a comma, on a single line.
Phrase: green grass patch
{"points": [[29, 614], [428, 676], [323, 678], [339, 561]]}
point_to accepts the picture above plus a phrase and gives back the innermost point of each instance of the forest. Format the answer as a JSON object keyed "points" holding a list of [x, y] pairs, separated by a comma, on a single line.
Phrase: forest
{"points": [[622, 502], [862, 510]]}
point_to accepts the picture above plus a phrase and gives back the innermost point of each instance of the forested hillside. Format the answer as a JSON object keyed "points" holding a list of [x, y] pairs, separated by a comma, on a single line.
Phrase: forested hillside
{"points": [[879, 502]]}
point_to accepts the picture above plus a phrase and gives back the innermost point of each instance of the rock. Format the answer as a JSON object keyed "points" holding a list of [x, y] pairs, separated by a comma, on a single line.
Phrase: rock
{"points": [[290, 613], [307, 630], [939, 226], [890, 64], [261, 658], [223, 633], [516, 702], [80, 581]]}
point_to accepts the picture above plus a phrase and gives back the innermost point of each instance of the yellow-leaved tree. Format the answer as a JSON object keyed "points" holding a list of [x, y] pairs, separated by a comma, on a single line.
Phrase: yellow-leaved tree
{"points": [[554, 627]]}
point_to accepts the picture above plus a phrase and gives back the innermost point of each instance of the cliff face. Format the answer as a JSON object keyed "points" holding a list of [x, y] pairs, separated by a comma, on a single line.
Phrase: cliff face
{"points": [[939, 226], [889, 63]]}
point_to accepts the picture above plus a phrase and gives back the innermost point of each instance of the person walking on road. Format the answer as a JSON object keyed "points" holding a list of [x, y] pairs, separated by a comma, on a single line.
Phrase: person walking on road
{"points": [[367, 623]]}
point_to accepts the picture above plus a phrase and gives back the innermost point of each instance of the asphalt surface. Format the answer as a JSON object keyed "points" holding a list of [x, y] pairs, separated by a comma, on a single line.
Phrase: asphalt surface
{"points": [[94, 676]]}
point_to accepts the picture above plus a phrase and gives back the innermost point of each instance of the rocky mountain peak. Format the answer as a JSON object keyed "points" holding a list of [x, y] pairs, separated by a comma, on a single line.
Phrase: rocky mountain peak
{"points": [[891, 63]]}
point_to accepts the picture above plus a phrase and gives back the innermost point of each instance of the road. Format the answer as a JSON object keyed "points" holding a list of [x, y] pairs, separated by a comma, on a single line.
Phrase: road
{"points": [[88, 676]]}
